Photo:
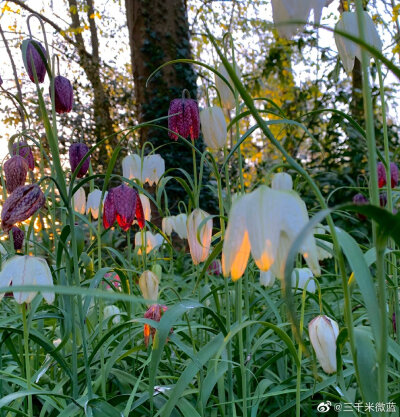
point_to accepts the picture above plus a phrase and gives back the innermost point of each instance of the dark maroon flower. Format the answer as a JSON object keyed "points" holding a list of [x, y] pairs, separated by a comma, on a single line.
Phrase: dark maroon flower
{"points": [[187, 122], [394, 175], [360, 199], [21, 204], [15, 170], [24, 150], [64, 94], [31, 53], [18, 237], [155, 313], [215, 267], [77, 152], [123, 204]]}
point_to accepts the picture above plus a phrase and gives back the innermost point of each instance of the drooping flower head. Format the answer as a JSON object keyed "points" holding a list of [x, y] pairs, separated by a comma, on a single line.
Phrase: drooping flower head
{"points": [[152, 241], [199, 235], [155, 313], [148, 283], [15, 170], [77, 152], [323, 332], [21, 204], [150, 171], [360, 200], [31, 54], [184, 118], [225, 93], [24, 150], [93, 203], [64, 94], [26, 270], [213, 126], [122, 204]]}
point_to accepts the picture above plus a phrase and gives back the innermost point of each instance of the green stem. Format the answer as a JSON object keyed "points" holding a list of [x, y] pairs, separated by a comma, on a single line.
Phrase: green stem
{"points": [[229, 349], [27, 360], [239, 319], [374, 196], [196, 191], [299, 353]]}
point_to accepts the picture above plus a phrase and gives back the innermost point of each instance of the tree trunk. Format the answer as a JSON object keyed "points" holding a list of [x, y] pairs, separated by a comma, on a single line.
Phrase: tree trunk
{"points": [[158, 33]]}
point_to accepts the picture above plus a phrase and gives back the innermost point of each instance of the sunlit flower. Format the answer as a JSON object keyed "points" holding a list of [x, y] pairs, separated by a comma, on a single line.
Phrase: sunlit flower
{"points": [[21, 204], [31, 55], [77, 152], [199, 238], [266, 222], [148, 283], [64, 94], [323, 333], [300, 276], [155, 313], [114, 312], [152, 241], [80, 201], [150, 171], [348, 50], [24, 150], [184, 118], [93, 203], [213, 126], [146, 206], [122, 204], [225, 93], [15, 170], [26, 270]]}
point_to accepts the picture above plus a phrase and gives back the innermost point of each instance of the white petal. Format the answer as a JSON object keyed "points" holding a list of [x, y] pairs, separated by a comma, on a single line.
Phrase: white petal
{"points": [[213, 126], [199, 248], [131, 167], [299, 278], [80, 201], [227, 97], [282, 181], [236, 248], [267, 278], [179, 225]]}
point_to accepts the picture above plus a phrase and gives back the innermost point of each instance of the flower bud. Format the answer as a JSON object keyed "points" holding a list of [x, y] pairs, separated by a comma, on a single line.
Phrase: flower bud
{"points": [[114, 312], [64, 94], [199, 248], [227, 97], [282, 181], [394, 175], [24, 150], [213, 126], [31, 54], [148, 283], [323, 333], [15, 170], [21, 204], [215, 268], [300, 276], [184, 118], [77, 152], [18, 237]]}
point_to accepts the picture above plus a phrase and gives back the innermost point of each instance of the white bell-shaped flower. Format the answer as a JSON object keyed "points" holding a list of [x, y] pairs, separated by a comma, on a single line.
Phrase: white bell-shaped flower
{"points": [[93, 203], [213, 126], [26, 270], [323, 333], [236, 248], [152, 241], [282, 181], [180, 225], [152, 168], [80, 201], [148, 283], [266, 222], [167, 225], [348, 50], [199, 238], [114, 312], [285, 11], [225, 93], [300, 276]]}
